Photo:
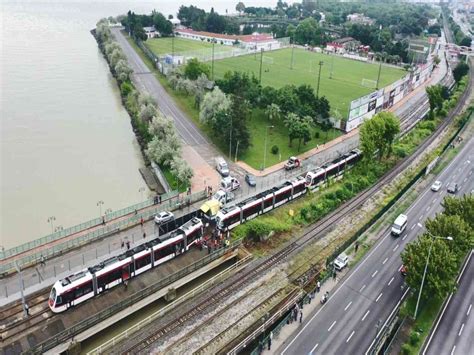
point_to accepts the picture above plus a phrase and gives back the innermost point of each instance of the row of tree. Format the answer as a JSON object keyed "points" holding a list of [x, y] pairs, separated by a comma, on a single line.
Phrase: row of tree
{"points": [[199, 20], [450, 236], [155, 131], [378, 134]]}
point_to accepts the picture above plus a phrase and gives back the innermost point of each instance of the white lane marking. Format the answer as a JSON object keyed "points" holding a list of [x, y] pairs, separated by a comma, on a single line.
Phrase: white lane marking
{"points": [[348, 305], [420, 217], [362, 288], [464, 180], [413, 226], [396, 246], [375, 273], [386, 259], [332, 325], [454, 348], [405, 237], [469, 310], [350, 336], [314, 348], [378, 297], [365, 315], [460, 330], [427, 208], [391, 280], [400, 268]]}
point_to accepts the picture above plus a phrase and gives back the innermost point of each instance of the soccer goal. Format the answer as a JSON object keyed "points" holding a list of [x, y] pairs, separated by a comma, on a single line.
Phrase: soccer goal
{"points": [[267, 60], [372, 84]]}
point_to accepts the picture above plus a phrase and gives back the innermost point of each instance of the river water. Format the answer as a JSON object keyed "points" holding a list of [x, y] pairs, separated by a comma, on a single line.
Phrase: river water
{"points": [[66, 141]]}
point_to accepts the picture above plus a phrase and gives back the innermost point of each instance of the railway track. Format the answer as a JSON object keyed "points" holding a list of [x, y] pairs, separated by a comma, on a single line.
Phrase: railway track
{"points": [[212, 300], [12, 319], [311, 235]]}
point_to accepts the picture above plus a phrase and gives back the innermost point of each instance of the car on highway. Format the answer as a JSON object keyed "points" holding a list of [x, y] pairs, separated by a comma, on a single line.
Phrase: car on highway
{"points": [[436, 186], [453, 188], [250, 179], [399, 225], [164, 217], [341, 261]]}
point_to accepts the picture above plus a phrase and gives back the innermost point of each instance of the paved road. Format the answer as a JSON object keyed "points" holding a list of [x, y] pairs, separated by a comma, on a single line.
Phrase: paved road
{"points": [[347, 324], [455, 330]]}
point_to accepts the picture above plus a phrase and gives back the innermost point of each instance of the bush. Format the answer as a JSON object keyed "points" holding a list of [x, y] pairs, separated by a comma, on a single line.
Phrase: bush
{"points": [[406, 349], [414, 338], [275, 150], [317, 134], [126, 88]]}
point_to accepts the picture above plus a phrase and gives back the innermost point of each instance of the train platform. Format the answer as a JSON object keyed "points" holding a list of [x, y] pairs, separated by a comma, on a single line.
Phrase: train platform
{"points": [[186, 268]]}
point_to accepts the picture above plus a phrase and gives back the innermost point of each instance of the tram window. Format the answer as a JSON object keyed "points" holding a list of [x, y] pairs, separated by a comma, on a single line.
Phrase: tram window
{"points": [[144, 261]]}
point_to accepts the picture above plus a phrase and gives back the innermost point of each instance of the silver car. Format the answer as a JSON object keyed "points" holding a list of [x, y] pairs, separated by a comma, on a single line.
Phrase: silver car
{"points": [[164, 217]]}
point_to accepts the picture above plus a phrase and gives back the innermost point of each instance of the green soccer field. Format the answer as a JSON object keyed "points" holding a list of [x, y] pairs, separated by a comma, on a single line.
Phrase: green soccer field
{"points": [[344, 86], [163, 46]]}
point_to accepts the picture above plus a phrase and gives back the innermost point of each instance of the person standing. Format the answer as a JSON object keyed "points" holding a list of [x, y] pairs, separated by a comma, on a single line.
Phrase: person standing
{"points": [[270, 338], [318, 286], [301, 316], [42, 261], [356, 246]]}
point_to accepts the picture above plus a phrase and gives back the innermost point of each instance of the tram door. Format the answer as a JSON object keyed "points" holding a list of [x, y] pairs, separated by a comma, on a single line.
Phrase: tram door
{"points": [[126, 272]]}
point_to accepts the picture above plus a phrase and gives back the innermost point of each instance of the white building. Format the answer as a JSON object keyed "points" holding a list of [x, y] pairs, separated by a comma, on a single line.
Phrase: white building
{"points": [[151, 32]]}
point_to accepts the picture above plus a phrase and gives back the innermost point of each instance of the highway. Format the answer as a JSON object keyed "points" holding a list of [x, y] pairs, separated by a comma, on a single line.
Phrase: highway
{"points": [[367, 295], [453, 332]]}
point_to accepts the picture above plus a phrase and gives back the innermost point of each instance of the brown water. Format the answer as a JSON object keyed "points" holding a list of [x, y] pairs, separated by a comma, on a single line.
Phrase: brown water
{"points": [[66, 141]]}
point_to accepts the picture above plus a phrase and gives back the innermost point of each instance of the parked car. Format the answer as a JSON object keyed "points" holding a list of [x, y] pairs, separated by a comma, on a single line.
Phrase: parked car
{"points": [[250, 179], [453, 188], [164, 217], [292, 163], [436, 186], [341, 261], [229, 183], [222, 167]]}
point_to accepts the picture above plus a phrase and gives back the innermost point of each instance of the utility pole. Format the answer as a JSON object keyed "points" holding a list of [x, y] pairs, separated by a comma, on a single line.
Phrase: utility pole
{"points": [[292, 56], [236, 151], [319, 77], [18, 269], [378, 75], [230, 138], [261, 61], [172, 50], [212, 66], [332, 67]]}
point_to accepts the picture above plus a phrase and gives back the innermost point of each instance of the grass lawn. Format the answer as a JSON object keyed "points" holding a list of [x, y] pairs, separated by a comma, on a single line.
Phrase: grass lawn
{"points": [[340, 90], [278, 136], [163, 46]]}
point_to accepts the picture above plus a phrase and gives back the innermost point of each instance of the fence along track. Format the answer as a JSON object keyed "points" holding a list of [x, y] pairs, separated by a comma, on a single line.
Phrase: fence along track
{"points": [[211, 300]]}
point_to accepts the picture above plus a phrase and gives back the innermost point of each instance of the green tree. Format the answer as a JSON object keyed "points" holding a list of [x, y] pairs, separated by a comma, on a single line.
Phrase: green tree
{"points": [[240, 7], [435, 97], [213, 102], [466, 41], [194, 68], [239, 112], [290, 32], [442, 268], [308, 32], [165, 144], [181, 169], [298, 128], [453, 226], [378, 134], [460, 70], [161, 24], [273, 112], [462, 207]]}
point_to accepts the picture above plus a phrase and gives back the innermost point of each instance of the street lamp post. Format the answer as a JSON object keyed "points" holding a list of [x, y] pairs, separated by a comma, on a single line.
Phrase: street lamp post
{"points": [[100, 204], [319, 77], [265, 150], [426, 266], [50, 221], [141, 190], [230, 138]]}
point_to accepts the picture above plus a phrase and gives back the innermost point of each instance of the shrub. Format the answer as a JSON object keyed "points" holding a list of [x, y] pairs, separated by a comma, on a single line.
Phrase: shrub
{"points": [[406, 349], [317, 134], [414, 338], [275, 150], [126, 88]]}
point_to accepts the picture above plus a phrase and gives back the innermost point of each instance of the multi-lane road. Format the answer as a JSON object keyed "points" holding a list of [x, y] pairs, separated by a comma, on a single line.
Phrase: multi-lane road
{"points": [[454, 330], [368, 294]]}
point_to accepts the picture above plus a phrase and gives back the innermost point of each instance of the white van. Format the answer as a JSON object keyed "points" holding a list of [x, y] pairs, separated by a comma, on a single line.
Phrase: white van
{"points": [[222, 167], [399, 225], [229, 183]]}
